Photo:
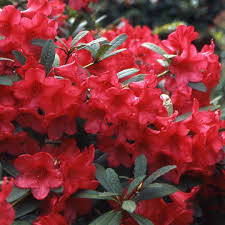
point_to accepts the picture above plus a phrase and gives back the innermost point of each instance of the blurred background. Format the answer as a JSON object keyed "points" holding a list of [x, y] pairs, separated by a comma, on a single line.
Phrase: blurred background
{"points": [[162, 16]]}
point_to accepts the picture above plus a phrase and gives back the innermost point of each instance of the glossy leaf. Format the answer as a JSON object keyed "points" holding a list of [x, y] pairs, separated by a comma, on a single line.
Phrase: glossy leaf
{"points": [[135, 183], [155, 48], [136, 78], [158, 173], [140, 167], [48, 55], [198, 86], [78, 37], [113, 53], [20, 57], [9, 168], [127, 72], [38, 42], [102, 50], [94, 194], [129, 206], [156, 190], [141, 220], [17, 193]]}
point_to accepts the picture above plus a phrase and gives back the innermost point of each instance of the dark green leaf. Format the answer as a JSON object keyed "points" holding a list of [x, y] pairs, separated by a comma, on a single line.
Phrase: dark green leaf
{"points": [[156, 190], [105, 56], [6, 59], [140, 167], [20, 57], [9, 168], [60, 40], [198, 86], [58, 190], [135, 183], [20, 222], [129, 206], [26, 207], [78, 37], [5, 3], [17, 193], [127, 72], [94, 194], [1, 171], [136, 78], [158, 173], [93, 49], [182, 117], [141, 220], [6, 80], [114, 181], [155, 48], [38, 42], [102, 50], [48, 55], [116, 42], [109, 218], [100, 174]]}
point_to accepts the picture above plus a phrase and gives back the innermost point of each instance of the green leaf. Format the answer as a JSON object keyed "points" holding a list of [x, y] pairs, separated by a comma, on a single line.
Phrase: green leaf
{"points": [[100, 174], [155, 190], [5, 3], [163, 62], [6, 59], [114, 181], [38, 42], [6, 80], [48, 55], [109, 218], [198, 86], [60, 40], [158, 173], [135, 183], [116, 42], [9, 168], [2, 37], [57, 190], [94, 194], [78, 37], [102, 50], [140, 167], [56, 62], [155, 48], [141, 220], [137, 78], [129, 206], [20, 222], [93, 49], [19, 56], [17, 193], [113, 53], [127, 72], [26, 207]]}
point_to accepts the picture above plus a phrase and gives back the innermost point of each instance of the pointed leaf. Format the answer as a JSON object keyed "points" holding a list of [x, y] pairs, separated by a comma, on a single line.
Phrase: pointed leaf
{"points": [[127, 72], [155, 48], [135, 183], [105, 56], [56, 62], [94, 194], [158, 173], [93, 49], [38, 42], [156, 190], [20, 57], [140, 167], [102, 50], [9, 168], [116, 42], [78, 37], [20, 222], [141, 220], [17, 193], [61, 41], [198, 86], [137, 78], [48, 55], [1, 171], [100, 174], [109, 218], [129, 206], [6, 80], [114, 181]]}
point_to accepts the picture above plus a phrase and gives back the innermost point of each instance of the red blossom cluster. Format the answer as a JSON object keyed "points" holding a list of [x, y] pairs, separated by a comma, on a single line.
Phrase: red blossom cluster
{"points": [[127, 120]]}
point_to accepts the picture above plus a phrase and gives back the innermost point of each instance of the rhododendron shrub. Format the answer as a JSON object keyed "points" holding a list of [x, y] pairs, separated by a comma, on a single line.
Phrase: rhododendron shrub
{"points": [[113, 114]]}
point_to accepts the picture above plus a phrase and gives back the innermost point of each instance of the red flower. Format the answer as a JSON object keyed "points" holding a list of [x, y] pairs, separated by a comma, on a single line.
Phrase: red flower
{"points": [[7, 213], [37, 172]]}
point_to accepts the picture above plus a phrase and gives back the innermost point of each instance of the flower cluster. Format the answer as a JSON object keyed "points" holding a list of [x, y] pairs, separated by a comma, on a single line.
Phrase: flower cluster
{"points": [[47, 113]]}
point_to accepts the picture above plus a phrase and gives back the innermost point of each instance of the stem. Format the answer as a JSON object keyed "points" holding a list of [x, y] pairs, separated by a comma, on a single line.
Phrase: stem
{"points": [[163, 73], [90, 64]]}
